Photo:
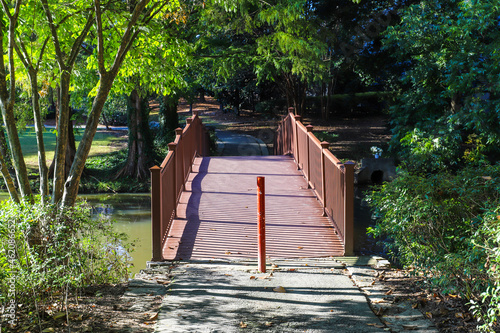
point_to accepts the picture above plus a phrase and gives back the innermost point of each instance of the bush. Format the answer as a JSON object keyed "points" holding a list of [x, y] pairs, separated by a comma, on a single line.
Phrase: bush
{"points": [[46, 254], [445, 226]]}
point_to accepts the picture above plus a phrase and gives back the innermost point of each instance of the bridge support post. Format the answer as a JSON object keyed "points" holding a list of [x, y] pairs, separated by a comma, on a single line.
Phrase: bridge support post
{"points": [[309, 129], [349, 209], [156, 228], [324, 147], [261, 223], [172, 146], [296, 129]]}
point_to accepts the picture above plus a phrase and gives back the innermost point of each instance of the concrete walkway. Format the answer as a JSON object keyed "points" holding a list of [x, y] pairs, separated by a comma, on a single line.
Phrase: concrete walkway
{"points": [[236, 144], [306, 295]]}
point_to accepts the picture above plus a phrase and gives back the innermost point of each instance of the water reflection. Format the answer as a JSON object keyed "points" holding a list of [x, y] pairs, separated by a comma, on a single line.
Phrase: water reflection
{"points": [[132, 213]]}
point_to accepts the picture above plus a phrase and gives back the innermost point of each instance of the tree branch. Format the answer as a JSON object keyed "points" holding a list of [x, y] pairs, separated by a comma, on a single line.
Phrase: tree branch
{"points": [[21, 53], [12, 42], [53, 31], [6, 10], [128, 36], [100, 41], [79, 40], [42, 51]]}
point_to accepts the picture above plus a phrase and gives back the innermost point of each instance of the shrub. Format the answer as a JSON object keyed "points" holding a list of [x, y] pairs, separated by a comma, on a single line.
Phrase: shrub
{"points": [[46, 254], [445, 226]]}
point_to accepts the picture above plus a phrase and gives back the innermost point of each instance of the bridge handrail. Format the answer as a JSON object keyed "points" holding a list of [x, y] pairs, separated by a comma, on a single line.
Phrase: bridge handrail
{"points": [[331, 180], [169, 179]]}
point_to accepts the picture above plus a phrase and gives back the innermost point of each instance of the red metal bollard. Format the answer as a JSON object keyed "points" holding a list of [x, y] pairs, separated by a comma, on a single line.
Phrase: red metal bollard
{"points": [[261, 222]]}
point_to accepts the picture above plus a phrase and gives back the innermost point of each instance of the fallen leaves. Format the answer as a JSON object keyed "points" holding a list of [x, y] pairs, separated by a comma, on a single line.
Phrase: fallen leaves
{"points": [[163, 282], [410, 327], [243, 324], [279, 289], [153, 317]]}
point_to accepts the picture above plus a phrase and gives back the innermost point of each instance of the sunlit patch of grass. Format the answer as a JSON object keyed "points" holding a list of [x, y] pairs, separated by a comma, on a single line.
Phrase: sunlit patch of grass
{"points": [[103, 143]]}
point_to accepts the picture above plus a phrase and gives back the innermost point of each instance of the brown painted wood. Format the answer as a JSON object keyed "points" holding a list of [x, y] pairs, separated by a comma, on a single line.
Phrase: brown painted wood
{"points": [[217, 214]]}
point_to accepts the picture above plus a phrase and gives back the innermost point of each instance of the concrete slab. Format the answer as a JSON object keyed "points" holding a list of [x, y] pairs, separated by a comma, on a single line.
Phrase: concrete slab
{"points": [[234, 297]]}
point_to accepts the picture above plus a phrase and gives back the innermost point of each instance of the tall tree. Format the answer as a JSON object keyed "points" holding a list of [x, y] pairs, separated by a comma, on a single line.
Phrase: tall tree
{"points": [[66, 56], [156, 65], [112, 48], [30, 47], [9, 19]]}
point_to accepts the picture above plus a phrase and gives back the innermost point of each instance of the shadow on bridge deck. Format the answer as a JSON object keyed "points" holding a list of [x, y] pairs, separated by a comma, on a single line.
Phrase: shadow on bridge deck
{"points": [[217, 214]]}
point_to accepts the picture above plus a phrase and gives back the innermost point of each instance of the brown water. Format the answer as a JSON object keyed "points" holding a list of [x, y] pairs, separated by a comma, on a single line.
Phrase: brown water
{"points": [[132, 213]]}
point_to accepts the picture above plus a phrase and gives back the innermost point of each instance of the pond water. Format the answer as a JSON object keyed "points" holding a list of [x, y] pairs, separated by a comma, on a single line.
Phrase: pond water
{"points": [[132, 215]]}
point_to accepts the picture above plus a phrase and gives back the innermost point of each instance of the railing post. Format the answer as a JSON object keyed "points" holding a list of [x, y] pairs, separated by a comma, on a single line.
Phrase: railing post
{"points": [[261, 223], [197, 135], [297, 159], [309, 129], [324, 146], [349, 209], [156, 204], [172, 147], [178, 132], [189, 121]]}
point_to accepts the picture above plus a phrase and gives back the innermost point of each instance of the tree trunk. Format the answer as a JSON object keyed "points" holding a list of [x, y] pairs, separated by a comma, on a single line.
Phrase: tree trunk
{"points": [[7, 100], [169, 120], [237, 101], [42, 161], [139, 143], [4, 149], [70, 145], [8, 180], [73, 179], [62, 136]]}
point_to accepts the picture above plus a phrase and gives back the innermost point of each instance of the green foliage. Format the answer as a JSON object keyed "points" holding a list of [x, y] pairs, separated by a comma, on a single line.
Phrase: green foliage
{"points": [[449, 60], [326, 136], [100, 175], [446, 227], [45, 253], [114, 111], [428, 152]]}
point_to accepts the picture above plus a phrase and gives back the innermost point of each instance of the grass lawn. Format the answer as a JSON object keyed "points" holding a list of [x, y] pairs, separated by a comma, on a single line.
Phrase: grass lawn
{"points": [[104, 142]]}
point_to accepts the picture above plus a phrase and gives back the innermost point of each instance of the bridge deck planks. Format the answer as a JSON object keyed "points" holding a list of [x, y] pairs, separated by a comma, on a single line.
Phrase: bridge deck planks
{"points": [[217, 213]]}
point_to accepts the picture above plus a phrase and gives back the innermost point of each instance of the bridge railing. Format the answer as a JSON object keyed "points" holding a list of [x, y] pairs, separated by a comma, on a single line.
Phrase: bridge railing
{"points": [[331, 180], [169, 179]]}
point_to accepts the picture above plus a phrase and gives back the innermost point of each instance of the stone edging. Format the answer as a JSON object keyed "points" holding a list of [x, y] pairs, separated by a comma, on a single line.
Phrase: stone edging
{"points": [[396, 315]]}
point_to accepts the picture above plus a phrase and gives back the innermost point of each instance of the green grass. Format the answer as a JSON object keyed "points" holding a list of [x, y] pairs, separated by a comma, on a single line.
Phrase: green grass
{"points": [[104, 143]]}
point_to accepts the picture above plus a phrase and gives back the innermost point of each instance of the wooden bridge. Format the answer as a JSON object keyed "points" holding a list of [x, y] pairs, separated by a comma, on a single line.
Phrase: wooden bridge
{"points": [[206, 207]]}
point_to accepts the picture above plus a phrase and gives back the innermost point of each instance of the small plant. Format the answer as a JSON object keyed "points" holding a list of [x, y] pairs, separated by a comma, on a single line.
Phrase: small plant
{"points": [[376, 151], [326, 136], [47, 255]]}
